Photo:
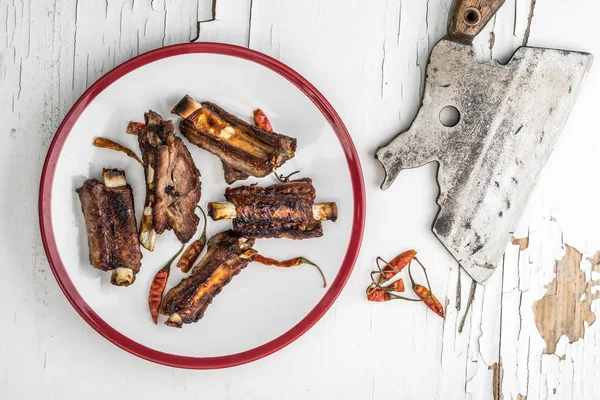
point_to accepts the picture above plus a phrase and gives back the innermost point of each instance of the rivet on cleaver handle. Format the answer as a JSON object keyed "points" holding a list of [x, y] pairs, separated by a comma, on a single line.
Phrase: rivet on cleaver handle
{"points": [[510, 119], [469, 17]]}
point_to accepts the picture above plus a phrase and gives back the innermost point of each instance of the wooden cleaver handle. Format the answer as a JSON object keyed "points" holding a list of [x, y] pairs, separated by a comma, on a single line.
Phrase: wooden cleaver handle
{"points": [[469, 17]]}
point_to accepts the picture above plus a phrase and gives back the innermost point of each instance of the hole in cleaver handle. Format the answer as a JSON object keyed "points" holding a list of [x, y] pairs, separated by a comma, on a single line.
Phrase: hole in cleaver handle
{"points": [[469, 17]]}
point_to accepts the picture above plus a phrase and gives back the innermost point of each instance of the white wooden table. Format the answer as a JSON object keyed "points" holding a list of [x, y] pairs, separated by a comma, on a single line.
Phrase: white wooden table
{"points": [[368, 58]]}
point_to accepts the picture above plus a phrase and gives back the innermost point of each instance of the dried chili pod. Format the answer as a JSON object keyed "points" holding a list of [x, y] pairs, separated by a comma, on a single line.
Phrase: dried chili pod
{"points": [[397, 286], [377, 294], [158, 287], [294, 262], [429, 299], [396, 265], [191, 254], [111, 145], [425, 293], [261, 120], [403, 260], [380, 294]]}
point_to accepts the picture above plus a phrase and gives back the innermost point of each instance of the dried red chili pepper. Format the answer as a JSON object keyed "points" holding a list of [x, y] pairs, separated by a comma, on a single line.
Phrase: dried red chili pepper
{"points": [[261, 120], [191, 254], [158, 287], [111, 145], [396, 265], [294, 262], [429, 299], [403, 259], [378, 295], [425, 293], [397, 286]]}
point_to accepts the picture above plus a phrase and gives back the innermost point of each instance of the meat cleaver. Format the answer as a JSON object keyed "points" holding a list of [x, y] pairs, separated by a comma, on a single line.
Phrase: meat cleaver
{"points": [[507, 121]]}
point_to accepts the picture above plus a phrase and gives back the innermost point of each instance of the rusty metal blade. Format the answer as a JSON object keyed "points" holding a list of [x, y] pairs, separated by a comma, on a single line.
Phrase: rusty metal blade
{"points": [[510, 119]]}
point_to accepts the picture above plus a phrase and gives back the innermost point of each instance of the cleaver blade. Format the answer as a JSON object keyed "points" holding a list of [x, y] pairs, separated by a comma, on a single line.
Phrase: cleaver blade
{"points": [[510, 117]]}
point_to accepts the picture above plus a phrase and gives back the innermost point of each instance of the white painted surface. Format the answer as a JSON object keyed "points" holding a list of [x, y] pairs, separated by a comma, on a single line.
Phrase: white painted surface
{"points": [[367, 58]]}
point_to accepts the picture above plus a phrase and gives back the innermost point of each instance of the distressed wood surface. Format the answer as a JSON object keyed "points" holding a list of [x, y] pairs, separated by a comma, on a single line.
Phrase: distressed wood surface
{"points": [[507, 340]]}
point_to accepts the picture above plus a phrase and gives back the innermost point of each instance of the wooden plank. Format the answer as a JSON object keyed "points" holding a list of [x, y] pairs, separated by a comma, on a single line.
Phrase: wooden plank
{"points": [[369, 60]]}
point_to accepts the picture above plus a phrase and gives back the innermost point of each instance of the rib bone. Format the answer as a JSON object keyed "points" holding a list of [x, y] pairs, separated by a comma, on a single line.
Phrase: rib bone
{"points": [[219, 210]]}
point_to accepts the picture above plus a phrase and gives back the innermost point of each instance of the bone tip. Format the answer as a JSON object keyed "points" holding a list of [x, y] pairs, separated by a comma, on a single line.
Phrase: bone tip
{"points": [[122, 277], [219, 210], [325, 211], [114, 177], [133, 128], [186, 106], [174, 321], [334, 212], [148, 239]]}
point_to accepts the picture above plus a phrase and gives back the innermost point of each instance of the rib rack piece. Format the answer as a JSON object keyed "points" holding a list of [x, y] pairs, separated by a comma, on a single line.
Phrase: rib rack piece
{"points": [[111, 226], [172, 182], [244, 149], [284, 210], [227, 254]]}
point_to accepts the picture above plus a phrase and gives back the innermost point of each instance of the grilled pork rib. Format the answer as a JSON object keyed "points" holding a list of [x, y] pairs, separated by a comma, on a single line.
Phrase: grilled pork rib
{"points": [[226, 256], [244, 149], [111, 226], [172, 182], [283, 210]]}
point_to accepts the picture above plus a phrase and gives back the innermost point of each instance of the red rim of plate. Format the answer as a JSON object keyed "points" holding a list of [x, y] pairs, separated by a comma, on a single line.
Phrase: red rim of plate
{"points": [[101, 326]]}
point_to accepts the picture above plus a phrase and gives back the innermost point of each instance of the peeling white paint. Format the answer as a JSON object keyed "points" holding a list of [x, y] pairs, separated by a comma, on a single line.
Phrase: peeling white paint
{"points": [[50, 52]]}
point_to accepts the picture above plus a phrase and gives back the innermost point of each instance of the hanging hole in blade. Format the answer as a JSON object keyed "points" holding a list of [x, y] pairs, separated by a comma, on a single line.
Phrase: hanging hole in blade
{"points": [[449, 116], [472, 16]]}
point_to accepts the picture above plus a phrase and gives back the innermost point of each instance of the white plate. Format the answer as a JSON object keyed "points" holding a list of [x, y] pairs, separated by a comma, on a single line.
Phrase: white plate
{"points": [[263, 308]]}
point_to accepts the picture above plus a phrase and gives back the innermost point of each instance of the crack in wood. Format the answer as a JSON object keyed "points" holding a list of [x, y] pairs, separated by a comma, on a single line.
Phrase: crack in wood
{"points": [[499, 370], [497, 377], [20, 80], [87, 68], [399, 24], [383, 68], [384, 42], [469, 304], [458, 291], [427, 24], [515, 19], [492, 38], [29, 30], [529, 20], [527, 366], [74, 41], [213, 17], [250, 23], [165, 24]]}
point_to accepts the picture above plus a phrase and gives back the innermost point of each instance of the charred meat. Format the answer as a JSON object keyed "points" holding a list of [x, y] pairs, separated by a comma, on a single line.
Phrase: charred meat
{"points": [[244, 149], [284, 210], [111, 226], [227, 254], [172, 182]]}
